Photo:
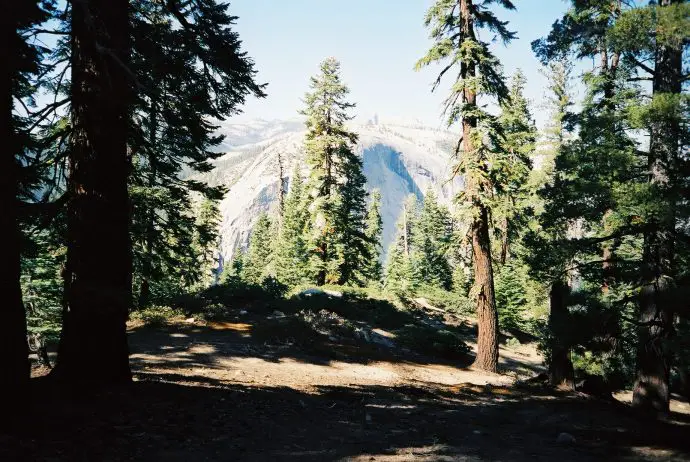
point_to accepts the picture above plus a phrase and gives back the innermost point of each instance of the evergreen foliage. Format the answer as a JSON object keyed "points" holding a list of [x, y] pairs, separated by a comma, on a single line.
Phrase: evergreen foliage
{"points": [[336, 242], [290, 250], [257, 259], [190, 68], [482, 162], [430, 242], [374, 229], [400, 275]]}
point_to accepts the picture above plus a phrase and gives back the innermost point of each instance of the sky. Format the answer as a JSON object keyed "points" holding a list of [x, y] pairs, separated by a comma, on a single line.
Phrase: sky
{"points": [[377, 43]]}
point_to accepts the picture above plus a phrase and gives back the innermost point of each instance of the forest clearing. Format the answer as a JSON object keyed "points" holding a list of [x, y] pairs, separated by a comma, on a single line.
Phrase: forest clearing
{"points": [[216, 249], [242, 389]]}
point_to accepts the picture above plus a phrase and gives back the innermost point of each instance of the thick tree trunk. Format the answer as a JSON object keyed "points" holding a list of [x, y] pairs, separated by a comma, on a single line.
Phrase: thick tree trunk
{"points": [[561, 373], [13, 344], [651, 391], [93, 347], [487, 316]]}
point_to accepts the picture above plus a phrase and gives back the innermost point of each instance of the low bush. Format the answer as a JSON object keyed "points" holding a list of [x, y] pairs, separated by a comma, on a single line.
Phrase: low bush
{"points": [[156, 316]]}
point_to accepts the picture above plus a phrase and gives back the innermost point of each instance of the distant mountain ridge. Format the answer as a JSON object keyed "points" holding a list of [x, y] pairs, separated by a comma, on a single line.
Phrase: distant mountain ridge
{"points": [[398, 160]]}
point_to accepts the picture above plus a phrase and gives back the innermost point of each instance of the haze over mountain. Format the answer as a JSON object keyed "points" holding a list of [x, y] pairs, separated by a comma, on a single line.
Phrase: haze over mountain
{"points": [[400, 158]]}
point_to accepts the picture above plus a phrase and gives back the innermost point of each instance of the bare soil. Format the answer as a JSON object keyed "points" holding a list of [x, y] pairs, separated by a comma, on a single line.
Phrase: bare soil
{"points": [[220, 392]]}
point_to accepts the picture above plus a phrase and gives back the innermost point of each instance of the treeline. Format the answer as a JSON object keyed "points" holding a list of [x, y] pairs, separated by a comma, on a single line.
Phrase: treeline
{"points": [[108, 110]]}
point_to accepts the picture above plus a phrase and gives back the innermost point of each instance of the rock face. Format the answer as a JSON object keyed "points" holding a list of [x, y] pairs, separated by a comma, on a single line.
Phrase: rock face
{"points": [[398, 160]]}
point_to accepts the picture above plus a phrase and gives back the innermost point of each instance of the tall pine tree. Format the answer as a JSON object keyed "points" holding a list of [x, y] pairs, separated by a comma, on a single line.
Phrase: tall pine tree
{"points": [[98, 294], [453, 25], [190, 69], [335, 232], [20, 64], [658, 34]]}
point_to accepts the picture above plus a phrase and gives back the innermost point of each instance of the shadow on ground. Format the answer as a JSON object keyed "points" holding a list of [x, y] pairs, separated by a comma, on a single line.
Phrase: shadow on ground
{"points": [[179, 418]]}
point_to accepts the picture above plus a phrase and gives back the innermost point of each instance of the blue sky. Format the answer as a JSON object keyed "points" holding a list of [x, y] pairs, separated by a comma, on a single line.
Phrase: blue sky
{"points": [[377, 43]]}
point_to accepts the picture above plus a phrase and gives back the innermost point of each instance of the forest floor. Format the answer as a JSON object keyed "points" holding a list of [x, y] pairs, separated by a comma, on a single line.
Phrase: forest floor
{"points": [[244, 389]]}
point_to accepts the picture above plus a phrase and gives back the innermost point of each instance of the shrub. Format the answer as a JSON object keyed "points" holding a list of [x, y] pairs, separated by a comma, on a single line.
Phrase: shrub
{"points": [[449, 301], [156, 316]]}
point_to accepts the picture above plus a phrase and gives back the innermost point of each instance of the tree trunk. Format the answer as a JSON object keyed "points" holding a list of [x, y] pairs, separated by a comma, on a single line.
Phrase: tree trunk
{"points": [[93, 347], [504, 243], [483, 290], [13, 342], [651, 391], [561, 373], [487, 316]]}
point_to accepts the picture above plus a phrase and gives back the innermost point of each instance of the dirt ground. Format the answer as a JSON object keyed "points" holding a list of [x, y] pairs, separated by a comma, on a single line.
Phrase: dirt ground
{"points": [[214, 392]]}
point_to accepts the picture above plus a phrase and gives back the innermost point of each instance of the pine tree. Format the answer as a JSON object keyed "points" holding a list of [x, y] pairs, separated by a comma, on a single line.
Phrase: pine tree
{"points": [[290, 250], [658, 33], [260, 251], [98, 210], [190, 68], [588, 204], [545, 238], [453, 25], [519, 141], [400, 275], [335, 239], [431, 243], [353, 245], [20, 64], [374, 229], [206, 242], [511, 296]]}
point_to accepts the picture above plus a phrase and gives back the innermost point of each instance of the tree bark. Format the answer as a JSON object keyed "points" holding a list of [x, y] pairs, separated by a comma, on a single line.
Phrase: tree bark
{"points": [[13, 344], [93, 346], [561, 373], [487, 316], [483, 290], [651, 391]]}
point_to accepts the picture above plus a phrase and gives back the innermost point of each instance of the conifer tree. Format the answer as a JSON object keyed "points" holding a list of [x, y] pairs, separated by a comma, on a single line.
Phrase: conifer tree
{"points": [[374, 229], [336, 240], [400, 275], [453, 25], [98, 208], [353, 247], [595, 174], [545, 238], [205, 242], [658, 33], [290, 250], [190, 68], [20, 64], [259, 252], [518, 145], [431, 240]]}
